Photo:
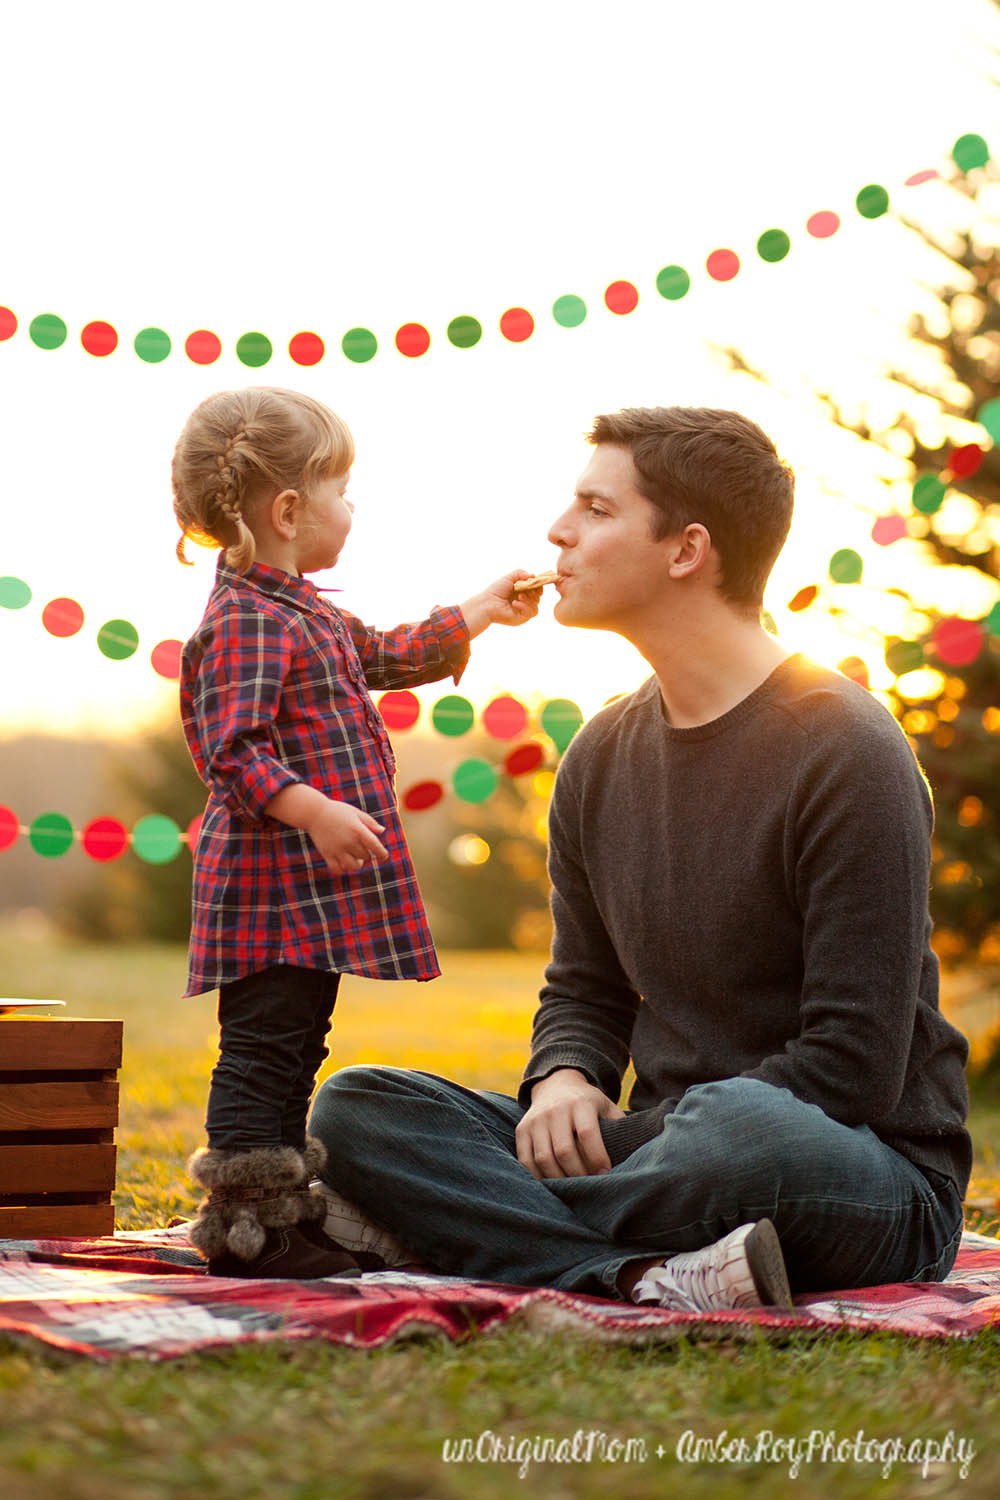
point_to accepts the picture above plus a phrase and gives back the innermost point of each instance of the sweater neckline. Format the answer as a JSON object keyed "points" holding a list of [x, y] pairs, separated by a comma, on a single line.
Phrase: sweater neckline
{"points": [[746, 706]]}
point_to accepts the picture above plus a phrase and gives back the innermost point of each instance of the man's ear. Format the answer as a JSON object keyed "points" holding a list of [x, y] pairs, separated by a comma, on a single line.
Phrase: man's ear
{"points": [[284, 513], [690, 550]]}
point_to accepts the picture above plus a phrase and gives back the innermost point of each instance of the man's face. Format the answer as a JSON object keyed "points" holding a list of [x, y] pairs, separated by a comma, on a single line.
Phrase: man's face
{"points": [[610, 566]]}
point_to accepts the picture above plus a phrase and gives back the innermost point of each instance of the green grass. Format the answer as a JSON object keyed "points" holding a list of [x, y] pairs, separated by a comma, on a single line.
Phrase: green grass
{"points": [[316, 1422]]}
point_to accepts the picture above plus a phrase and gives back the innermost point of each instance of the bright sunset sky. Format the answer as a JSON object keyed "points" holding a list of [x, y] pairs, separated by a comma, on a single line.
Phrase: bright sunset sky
{"points": [[318, 166]]}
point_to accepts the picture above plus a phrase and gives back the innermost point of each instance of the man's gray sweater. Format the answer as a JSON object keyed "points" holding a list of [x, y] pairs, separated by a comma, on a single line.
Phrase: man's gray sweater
{"points": [[749, 897]]}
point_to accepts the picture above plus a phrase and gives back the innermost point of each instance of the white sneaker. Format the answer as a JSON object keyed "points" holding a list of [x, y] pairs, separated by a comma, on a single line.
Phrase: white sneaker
{"points": [[351, 1227], [744, 1269]]}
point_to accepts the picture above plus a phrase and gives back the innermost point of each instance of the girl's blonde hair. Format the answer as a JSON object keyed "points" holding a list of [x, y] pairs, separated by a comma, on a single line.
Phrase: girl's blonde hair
{"points": [[239, 445]]}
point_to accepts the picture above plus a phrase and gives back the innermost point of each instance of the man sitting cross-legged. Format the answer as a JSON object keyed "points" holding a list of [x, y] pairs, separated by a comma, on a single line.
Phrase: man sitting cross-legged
{"points": [[739, 854]]}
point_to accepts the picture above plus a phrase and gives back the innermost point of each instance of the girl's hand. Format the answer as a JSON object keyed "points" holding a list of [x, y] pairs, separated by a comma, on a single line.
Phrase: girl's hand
{"points": [[499, 605], [345, 836]]}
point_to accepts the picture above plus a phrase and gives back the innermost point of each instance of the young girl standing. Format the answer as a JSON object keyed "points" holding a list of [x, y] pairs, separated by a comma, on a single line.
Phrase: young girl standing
{"points": [[301, 871]]}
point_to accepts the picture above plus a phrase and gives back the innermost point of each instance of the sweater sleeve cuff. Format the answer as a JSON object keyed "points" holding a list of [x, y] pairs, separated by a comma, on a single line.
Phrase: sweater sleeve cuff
{"points": [[622, 1137], [591, 1065]]}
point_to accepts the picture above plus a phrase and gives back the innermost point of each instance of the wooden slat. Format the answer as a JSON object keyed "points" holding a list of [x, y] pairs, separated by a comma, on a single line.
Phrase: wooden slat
{"points": [[58, 1106], [57, 1169], [61, 1221], [47, 1042]]}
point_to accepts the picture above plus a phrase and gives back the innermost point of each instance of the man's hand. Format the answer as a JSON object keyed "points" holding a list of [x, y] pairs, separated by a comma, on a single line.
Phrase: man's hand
{"points": [[499, 605], [559, 1135]]}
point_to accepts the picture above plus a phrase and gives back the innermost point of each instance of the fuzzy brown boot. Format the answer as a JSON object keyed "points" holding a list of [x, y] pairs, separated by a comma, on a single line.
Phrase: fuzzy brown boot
{"points": [[247, 1224]]}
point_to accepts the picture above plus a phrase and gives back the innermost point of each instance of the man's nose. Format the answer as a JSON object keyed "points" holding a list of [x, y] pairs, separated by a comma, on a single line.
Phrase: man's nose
{"points": [[559, 532]]}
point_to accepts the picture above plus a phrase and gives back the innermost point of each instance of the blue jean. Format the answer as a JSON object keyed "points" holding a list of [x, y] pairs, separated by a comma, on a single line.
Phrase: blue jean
{"points": [[272, 1030], [436, 1163]]}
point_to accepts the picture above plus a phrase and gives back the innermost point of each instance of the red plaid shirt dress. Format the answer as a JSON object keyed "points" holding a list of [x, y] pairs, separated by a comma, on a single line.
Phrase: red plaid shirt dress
{"points": [[274, 690]]}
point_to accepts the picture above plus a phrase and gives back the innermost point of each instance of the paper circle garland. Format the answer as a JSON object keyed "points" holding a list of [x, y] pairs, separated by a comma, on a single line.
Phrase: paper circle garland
{"points": [[773, 245], [822, 225], [8, 324], [928, 494], [50, 835], [517, 324], [846, 566], [9, 828], [359, 345], [306, 348], [118, 640], [464, 333], [165, 659], [474, 780], [957, 642], [569, 311], [988, 416], [422, 795], [505, 718], [254, 349], [452, 715], [202, 347], [904, 656], [399, 710], [673, 283], [888, 529], [104, 839], [621, 297], [152, 345], [413, 340], [523, 759], [99, 339], [561, 718], [872, 201], [156, 839], [965, 461], [14, 593], [62, 618], [722, 265], [47, 331], [970, 151]]}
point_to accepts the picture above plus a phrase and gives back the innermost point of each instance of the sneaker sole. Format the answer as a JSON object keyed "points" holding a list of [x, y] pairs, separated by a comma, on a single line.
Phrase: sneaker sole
{"points": [[767, 1265]]}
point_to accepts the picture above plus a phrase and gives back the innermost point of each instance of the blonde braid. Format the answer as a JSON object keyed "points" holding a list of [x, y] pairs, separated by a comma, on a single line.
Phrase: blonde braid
{"points": [[227, 498]]}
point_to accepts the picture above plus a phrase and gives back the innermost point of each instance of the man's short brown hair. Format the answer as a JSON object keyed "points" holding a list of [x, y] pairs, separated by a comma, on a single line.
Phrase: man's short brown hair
{"points": [[718, 468]]}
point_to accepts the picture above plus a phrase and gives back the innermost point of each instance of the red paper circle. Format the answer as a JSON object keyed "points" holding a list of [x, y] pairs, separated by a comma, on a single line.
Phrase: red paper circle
{"points": [[306, 348], [722, 265], [621, 297], [202, 347], [522, 759], [8, 323], [823, 224], [62, 617], [422, 795], [192, 831], [856, 669], [9, 828], [399, 710], [505, 718], [105, 839], [517, 324], [889, 529], [99, 339], [413, 340], [918, 177], [957, 642], [165, 658], [965, 460]]}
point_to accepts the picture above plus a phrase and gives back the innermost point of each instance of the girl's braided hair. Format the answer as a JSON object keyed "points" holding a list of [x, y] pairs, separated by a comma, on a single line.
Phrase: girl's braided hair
{"points": [[240, 447]]}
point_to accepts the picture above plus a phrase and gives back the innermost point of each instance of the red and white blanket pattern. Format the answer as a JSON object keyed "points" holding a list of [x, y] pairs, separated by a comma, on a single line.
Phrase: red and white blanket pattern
{"points": [[142, 1294]]}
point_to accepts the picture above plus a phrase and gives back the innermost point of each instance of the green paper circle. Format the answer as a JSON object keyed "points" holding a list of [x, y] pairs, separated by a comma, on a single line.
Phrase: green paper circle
{"points": [[970, 151], [992, 621], [152, 345], [359, 345], [254, 349], [561, 718], [673, 283], [118, 640], [872, 201], [47, 331], [156, 839], [904, 656], [569, 311], [474, 780], [50, 835], [768, 622], [452, 715], [928, 494], [464, 332], [14, 593], [846, 566], [988, 416], [773, 245]]}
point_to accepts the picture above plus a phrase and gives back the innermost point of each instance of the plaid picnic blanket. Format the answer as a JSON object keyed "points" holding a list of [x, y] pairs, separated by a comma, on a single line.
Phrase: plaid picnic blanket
{"points": [[144, 1294]]}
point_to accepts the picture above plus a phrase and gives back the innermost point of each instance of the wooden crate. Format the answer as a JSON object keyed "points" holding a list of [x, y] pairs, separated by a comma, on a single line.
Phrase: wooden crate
{"points": [[58, 1112]]}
